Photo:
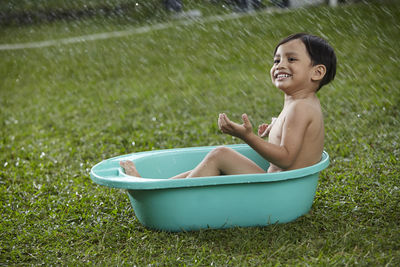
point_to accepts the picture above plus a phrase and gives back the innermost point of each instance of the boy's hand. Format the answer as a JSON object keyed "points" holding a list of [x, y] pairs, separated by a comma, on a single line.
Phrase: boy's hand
{"points": [[234, 129], [264, 129]]}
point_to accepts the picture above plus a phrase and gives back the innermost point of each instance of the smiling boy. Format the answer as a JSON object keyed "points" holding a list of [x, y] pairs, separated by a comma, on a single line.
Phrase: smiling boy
{"points": [[303, 63]]}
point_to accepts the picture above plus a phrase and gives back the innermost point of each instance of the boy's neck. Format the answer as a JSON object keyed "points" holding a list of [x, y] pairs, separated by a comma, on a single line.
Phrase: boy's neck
{"points": [[306, 94]]}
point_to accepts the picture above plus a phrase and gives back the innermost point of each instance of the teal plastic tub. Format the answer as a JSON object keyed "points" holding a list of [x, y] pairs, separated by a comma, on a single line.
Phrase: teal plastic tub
{"points": [[209, 202]]}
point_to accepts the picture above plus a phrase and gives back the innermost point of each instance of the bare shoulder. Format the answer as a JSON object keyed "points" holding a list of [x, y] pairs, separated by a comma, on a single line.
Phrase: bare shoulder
{"points": [[304, 110]]}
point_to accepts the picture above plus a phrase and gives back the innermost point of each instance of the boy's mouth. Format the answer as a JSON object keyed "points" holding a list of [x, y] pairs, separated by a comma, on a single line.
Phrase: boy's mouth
{"points": [[281, 76]]}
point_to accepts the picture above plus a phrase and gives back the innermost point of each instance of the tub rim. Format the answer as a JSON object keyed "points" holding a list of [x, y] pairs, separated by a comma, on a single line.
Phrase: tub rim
{"points": [[121, 180]]}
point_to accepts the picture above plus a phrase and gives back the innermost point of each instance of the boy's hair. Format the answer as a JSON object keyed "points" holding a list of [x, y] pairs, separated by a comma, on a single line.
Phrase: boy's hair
{"points": [[320, 53]]}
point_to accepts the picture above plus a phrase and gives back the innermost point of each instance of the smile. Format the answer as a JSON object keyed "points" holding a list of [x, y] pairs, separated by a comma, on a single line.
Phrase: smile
{"points": [[281, 76]]}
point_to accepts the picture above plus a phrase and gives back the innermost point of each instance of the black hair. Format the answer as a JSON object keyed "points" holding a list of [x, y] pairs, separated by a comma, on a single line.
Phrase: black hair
{"points": [[319, 51]]}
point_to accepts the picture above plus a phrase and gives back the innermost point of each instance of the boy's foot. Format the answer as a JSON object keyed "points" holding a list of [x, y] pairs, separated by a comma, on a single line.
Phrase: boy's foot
{"points": [[129, 168]]}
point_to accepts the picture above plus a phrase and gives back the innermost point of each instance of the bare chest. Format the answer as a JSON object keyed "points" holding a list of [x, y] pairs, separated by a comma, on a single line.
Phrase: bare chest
{"points": [[275, 135]]}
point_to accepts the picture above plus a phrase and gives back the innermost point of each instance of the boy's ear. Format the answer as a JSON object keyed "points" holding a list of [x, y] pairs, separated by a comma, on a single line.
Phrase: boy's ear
{"points": [[318, 72]]}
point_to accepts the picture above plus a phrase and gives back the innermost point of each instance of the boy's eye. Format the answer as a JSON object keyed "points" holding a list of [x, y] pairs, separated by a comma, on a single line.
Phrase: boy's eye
{"points": [[291, 59], [276, 61]]}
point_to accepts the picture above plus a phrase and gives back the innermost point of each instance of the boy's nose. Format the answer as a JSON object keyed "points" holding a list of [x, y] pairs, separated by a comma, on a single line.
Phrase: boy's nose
{"points": [[281, 64]]}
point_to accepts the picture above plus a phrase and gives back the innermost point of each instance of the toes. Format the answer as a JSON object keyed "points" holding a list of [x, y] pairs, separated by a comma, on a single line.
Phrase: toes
{"points": [[123, 163], [129, 167], [126, 164]]}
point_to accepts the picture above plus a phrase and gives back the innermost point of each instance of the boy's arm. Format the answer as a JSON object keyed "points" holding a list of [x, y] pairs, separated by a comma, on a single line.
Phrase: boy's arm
{"points": [[294, 128], [283, 155]]}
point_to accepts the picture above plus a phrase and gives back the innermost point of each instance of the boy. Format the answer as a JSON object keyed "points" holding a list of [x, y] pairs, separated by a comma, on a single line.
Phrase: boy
{"points": [[303, 63]]}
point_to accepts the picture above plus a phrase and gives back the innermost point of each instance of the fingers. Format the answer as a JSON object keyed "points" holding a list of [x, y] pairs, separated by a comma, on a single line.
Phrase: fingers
{"points": [[264, 129], [245, 119], [225, 118], [261, 129], [219, 121], [265, 133], [246, 123], [223, 122], [226, 125]]}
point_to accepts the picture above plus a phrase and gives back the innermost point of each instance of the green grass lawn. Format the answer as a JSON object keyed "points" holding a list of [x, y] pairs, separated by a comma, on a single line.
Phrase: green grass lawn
{"points": [[64, 108]]}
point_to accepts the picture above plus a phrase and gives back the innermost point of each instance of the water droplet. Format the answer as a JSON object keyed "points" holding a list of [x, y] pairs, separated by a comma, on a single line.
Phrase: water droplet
{"points": [[133, 143]]}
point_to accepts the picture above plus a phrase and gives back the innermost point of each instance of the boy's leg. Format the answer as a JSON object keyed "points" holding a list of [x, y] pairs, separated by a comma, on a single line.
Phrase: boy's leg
{"points": [[129, 168], [221, 160], [224, 161], [182, 175]]}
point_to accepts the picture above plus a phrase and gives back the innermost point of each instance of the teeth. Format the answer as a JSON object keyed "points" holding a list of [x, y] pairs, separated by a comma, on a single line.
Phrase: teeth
{"points": [[282, 76]]}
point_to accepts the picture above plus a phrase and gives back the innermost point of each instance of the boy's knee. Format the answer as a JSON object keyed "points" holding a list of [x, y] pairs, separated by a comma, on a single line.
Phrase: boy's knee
{"points": [[219, 151]]}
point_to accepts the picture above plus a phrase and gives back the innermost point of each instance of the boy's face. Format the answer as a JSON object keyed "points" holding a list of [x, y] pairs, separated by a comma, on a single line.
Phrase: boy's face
{"points": [[292, 69]]}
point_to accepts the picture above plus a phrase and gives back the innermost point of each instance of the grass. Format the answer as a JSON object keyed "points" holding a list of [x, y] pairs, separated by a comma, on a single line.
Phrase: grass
{"points": [[65, 108], [25, 21]]}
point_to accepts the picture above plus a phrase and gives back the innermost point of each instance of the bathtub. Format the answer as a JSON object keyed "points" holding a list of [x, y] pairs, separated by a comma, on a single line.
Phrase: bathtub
{"points": [[209, 202]]}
